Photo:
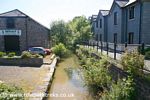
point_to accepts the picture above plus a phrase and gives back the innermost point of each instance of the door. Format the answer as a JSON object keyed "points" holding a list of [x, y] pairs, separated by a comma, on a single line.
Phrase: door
{"points": [[130, 38], [12, 43]]}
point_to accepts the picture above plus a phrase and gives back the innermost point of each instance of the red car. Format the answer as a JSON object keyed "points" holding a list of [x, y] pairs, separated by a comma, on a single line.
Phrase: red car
{"points": [[48, 51]]}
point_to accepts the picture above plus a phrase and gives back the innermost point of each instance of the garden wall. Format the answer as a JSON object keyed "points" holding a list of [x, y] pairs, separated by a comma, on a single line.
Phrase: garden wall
{"points": [[21, 62]]}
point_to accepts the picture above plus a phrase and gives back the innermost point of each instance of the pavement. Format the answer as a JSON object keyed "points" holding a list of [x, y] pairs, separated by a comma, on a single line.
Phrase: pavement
{"points": [[30, 79]]}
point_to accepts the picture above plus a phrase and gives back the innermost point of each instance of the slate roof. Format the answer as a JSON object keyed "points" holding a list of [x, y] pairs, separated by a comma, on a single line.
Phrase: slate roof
{"points": [[18, 13], [130, 2], [104, 12], [13, 13], [94, 17], [124, 3]]}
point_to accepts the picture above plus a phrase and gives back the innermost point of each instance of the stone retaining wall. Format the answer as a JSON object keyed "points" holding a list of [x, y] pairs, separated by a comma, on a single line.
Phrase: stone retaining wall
{"points": [[21, 62], [143, 88]]}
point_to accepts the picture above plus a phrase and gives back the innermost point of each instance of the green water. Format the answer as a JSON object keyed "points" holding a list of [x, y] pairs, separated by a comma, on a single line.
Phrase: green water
{"points": [[68, 83]]}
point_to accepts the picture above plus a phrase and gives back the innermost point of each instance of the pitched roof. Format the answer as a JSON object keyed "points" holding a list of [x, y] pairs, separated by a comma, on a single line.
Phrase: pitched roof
{"points": [[104, 12], [18, 13], [121, 3], [13, 13], [124, 3], [130, 2]]}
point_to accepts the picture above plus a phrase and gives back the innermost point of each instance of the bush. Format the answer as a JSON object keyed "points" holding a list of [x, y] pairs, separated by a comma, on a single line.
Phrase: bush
{"points": [[147, 55], [10, 92], [11, 54], [26, 54], [2, 54], [37, 56], [124, 89], [133, 62], [60, 50]]}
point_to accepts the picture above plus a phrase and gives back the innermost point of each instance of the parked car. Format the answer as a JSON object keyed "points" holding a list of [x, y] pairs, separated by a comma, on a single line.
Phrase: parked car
{"points": [[37, 50], [48, 51]]}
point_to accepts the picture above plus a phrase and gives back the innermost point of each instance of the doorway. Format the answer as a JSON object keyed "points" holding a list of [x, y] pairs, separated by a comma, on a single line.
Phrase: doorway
{"points": [[11, 43]]}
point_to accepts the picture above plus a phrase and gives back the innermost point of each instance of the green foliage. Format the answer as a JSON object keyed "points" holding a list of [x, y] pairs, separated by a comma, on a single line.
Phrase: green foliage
{"points": [[122, 90], [2, 54], [147, 50], [26, 54], [70, 33], [133, 62], [10, 92], [60, 32], [98, 78], [80, 28], [11, 54], [147, 55], [60, 50]]}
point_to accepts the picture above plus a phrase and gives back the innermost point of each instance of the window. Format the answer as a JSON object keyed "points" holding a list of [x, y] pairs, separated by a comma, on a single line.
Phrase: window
{"points": [[115, 18], [131, 12], [100, 37], [10, 23], [130, 38], [100, 23], [115, 37], [96, 24]]}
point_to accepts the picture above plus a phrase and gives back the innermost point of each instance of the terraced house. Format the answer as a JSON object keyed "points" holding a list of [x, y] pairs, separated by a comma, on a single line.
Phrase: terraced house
{"points": [[18, 32], [126, 21]]}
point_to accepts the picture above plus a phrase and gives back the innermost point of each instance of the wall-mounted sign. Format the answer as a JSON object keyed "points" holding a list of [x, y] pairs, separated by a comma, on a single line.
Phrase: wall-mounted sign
{"points": [[10, 32]]}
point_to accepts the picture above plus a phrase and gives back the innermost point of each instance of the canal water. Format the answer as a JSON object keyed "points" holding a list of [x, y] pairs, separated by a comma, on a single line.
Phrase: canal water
{"points": [[68, 83]]}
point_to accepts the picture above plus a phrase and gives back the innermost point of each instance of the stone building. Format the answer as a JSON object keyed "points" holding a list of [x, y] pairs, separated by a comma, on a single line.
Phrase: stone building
{"points": [[18, 32]]}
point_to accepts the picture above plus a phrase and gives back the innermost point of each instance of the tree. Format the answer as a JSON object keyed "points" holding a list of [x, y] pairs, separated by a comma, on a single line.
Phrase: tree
{"points": [[60, 32], [80, 28]]}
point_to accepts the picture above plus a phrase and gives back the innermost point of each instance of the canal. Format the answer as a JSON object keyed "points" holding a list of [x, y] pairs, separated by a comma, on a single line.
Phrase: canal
{"points": [[68, 83]]}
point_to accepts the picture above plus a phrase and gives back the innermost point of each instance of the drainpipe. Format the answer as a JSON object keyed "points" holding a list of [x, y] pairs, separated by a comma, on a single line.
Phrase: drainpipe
{"points": [[126, 25], [26, 33], [140, 32]]}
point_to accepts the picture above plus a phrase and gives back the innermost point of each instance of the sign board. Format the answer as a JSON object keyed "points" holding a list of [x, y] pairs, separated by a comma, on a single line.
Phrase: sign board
{"points": [[10, 32]]}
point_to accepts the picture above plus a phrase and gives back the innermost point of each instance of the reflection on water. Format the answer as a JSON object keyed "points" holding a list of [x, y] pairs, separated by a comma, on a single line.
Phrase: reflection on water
{"points": [[68, 83]]}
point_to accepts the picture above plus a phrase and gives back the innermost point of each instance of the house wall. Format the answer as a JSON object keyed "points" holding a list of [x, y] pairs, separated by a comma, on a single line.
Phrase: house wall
{"points": [[145, 25], [101, 30], [133, 25], [114, 28]]}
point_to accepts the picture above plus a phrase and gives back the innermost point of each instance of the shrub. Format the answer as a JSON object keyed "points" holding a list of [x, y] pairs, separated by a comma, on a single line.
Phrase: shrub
{"points": [[133, 62], [2, 54], [147, 55], [37, 56], [60, 50], [10, 92], [124, 89], [147, 50], [11, 54], [26, 54]]}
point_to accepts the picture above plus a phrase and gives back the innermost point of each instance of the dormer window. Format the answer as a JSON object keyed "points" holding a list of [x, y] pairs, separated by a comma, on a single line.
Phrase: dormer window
{"points": [[131, 12]]}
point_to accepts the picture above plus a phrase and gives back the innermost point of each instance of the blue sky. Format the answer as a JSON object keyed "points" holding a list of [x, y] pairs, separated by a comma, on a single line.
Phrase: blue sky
{"points": [[46, 11]]}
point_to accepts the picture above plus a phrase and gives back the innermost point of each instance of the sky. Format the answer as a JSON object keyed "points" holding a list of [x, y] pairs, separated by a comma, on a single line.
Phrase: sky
{"points": [[47, 11]]}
